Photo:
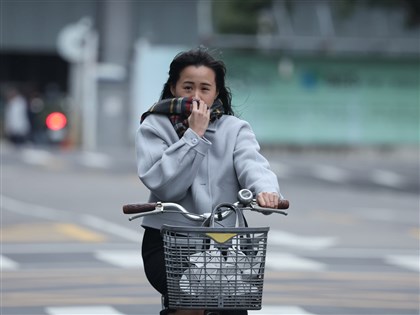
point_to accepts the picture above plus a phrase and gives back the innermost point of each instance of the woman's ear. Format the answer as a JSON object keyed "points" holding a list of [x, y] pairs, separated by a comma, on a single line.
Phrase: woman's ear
{"points": [[172, 89]]}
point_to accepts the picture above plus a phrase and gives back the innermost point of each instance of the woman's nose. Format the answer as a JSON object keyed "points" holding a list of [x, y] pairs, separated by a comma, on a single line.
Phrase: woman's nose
{"points": [[197, 95]]}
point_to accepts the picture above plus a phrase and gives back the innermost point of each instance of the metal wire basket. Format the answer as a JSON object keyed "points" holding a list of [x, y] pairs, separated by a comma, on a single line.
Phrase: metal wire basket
{"points": [[215, 268]]}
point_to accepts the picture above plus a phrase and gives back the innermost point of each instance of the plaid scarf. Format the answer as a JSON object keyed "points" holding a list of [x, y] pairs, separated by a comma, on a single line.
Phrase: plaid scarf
{"points": [[179, 109]]}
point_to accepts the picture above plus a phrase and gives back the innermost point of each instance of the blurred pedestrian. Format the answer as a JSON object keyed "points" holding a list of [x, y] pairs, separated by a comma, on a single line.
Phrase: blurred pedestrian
{"points": [[17, 126]]}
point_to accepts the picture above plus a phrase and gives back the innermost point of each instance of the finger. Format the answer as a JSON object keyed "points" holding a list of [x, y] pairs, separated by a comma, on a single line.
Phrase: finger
{"points": [[203, 106], [195, 104], [262, 202], [274, 200], [204, 109], [268, 200]]}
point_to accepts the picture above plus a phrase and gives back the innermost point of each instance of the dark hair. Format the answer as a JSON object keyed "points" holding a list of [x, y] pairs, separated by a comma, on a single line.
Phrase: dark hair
{"points": [[199, 57]]}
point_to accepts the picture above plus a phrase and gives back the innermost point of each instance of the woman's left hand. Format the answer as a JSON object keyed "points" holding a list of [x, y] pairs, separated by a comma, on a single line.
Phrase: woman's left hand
{"points": [[268, 199]]}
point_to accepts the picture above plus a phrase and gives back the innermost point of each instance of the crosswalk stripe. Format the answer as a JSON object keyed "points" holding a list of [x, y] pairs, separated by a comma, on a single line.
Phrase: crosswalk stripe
{"points": [[330, 173], [405, 261], [280, 261], [95, 159], [387, 178], [276, 237], [108, 310], [83, 310], [36, 156], [21, 207], [121, 258], [7, 263], [112, 228], [281, 310]]}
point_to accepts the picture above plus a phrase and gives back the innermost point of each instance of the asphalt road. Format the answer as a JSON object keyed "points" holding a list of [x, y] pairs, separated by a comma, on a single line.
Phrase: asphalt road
{"points": [[350, 244]]}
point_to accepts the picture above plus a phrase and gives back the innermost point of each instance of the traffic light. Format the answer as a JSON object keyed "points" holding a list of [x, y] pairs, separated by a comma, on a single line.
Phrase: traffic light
{"points": [[56, 124], [56, 121]]}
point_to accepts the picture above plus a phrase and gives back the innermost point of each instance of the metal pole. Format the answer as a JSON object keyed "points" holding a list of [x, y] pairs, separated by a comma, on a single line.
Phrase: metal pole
{"points": [[90, 98]]}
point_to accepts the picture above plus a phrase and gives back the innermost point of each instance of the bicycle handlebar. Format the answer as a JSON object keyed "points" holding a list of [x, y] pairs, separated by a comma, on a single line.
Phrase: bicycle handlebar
{"points": [[135, 208], [283, 204], [245, 202], [139, 208], [143, 209]]}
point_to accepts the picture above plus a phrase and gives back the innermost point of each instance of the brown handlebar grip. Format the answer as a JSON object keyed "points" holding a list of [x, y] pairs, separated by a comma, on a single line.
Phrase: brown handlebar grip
{"points": [[138, 207], [283, 204]]}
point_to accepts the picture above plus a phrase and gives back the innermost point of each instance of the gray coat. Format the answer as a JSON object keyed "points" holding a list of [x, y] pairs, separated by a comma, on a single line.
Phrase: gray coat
{"points": [[199, 173]]}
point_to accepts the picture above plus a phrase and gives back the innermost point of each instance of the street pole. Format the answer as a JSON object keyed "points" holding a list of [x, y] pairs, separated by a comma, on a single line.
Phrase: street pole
{"points": [[78, 44], [90, 92]]}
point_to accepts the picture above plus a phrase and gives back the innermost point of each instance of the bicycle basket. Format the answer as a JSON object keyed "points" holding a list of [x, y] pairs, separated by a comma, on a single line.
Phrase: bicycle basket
{"points": [[214, 268]]}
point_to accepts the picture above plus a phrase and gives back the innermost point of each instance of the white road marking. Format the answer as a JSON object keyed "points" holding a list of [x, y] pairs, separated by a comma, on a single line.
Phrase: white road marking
{"points": [[110, 227], [36, 156], [107, 310], [121, 258], [22, 207], [387, 178], [94, 159], [281, 310], [30, 209], [83, 310], [308, 242], [405, 261], [330, 173], [7, 263], [279, 261]]}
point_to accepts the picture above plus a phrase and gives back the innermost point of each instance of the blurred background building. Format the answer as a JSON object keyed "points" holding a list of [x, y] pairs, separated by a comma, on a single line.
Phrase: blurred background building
{"points": [[304, 73]]}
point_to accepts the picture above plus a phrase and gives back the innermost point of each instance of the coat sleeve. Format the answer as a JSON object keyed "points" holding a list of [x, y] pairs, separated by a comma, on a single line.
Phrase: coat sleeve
{"points": [[167, 165], [252, 168]]}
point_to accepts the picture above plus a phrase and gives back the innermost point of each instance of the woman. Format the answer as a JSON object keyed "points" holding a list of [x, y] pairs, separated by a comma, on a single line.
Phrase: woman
{"points": [[201, 156]]}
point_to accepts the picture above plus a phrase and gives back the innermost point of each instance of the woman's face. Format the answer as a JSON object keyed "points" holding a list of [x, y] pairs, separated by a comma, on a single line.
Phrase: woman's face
{"points": [[197, 82]]}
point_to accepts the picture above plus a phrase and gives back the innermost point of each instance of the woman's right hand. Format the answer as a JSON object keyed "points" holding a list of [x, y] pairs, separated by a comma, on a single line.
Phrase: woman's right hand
{"points": [[200, 116]]}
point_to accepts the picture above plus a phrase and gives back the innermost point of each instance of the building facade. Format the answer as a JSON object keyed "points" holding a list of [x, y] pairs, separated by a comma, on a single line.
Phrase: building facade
{"points": [[96, 61]]}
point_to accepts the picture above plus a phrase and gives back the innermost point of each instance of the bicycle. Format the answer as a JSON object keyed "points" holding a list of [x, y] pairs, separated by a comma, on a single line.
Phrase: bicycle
{"points": [[211, 267]]}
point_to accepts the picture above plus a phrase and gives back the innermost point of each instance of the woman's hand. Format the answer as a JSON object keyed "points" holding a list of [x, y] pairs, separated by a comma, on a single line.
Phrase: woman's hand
{"points": [[199, 118], [268, 199]]}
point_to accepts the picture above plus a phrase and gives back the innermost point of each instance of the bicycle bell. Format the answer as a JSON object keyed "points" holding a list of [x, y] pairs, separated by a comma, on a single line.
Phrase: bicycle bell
{"points": [[245, 196]]}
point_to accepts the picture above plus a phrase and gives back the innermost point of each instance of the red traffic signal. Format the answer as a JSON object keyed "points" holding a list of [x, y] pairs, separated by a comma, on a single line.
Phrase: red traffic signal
{"points": [[56, 121]]}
